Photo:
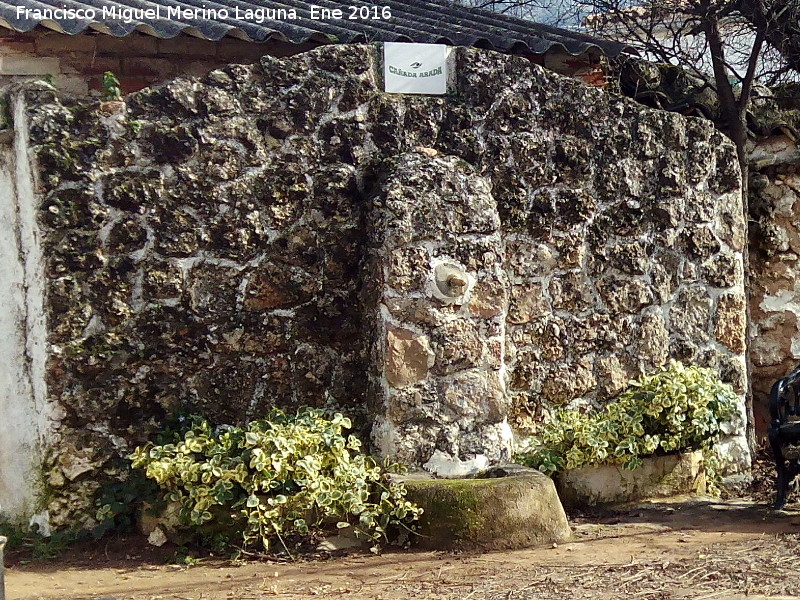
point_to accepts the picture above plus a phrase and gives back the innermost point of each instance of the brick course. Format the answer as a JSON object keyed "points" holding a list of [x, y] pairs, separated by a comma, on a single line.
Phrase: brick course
{"points": [[76, 63]]}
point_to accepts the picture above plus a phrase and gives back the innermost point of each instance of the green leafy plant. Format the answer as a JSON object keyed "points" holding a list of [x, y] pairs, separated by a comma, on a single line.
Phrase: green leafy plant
{"points": [[284, 475], [182, 557], [118, 501], [677, 408], [135, 126], [111, 86], [26, 544]]}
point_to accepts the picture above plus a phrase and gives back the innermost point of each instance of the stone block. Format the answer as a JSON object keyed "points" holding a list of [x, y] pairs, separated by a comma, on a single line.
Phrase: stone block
{"points": [[187, 45], [408, 269], [501, 513], [74, 86], [11, 46], [624, 295], [460, 345], [526, 257], [701, 242], [730, 322], [569, 292], [408, 357], [11, 64], [131, 45], [612, 378], [83, 64], [691, 314], [54, 44], [652, 341], [474, 396], [488, 299], [658, 477], [149, 67], [568, 381], [723, 270]]}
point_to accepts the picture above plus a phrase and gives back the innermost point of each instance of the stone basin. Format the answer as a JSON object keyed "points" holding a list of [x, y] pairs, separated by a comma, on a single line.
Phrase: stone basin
{"points": [[504, 509], [658, 477]]}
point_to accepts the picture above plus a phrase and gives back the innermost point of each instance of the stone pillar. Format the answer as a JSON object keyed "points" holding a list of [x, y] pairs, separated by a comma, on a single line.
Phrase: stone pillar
{"points": [[440, 298]]}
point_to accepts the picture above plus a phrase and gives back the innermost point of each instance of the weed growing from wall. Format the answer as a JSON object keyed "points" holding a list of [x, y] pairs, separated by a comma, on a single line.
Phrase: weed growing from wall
{"points": [[111, 86]]}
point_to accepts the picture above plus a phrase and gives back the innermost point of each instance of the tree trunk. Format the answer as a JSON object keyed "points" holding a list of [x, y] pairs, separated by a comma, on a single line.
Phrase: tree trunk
{"points": [[734, 112]]}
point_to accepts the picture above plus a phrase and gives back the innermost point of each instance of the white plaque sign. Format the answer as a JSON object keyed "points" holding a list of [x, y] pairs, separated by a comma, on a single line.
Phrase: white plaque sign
{"points": [[415, 68]]}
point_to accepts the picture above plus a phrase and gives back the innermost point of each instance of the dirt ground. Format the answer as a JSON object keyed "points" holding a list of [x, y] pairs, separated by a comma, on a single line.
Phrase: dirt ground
{"points": [[679, 549], [672, 550]]}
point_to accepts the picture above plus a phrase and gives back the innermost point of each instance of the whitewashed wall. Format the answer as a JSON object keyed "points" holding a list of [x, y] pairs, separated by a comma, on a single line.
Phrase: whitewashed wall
{"points": [[23, 404]]}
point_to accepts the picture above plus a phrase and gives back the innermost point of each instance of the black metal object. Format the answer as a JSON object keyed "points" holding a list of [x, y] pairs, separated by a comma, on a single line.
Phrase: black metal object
{"points": [[784, 430]]}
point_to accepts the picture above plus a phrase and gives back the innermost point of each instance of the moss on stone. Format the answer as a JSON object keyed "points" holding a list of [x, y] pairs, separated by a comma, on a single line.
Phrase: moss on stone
{"points": [[489, 514]]}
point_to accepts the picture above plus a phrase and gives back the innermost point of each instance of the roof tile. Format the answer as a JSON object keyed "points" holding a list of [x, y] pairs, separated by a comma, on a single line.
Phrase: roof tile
{"points": [[425, 21]]}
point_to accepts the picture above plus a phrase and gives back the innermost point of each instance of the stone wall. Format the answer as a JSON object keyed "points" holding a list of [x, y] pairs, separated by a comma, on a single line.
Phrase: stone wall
{"points": [[446, 269], [774, 263]]}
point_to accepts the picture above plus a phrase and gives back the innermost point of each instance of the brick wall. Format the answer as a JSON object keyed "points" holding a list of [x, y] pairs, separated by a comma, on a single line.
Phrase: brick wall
{"points": [[76, 63]]}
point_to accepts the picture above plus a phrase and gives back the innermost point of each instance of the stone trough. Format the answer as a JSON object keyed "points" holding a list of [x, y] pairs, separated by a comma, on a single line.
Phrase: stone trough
{"points": [[658, 477], [505, 508]]}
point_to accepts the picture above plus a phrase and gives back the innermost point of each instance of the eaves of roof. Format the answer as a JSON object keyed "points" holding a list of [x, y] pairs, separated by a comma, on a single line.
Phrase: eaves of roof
{"points": [[422, 21]]}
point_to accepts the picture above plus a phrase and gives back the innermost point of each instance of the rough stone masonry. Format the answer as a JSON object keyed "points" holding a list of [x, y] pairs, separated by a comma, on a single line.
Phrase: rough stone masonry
{"points": [[443, 269]]}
